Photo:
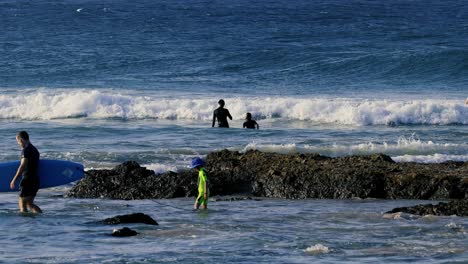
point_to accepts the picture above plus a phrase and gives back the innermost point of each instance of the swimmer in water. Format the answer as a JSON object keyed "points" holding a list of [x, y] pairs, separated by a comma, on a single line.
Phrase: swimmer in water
{"points": [[221, 114], [249, 123]]}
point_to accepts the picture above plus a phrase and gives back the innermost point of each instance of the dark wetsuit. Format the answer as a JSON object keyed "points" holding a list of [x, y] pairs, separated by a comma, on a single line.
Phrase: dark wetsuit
{"points": [[250, 124], [30, 183], [221, 114]]}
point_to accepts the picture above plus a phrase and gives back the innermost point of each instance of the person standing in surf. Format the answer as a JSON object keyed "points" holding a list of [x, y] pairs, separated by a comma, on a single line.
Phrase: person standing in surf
{"points": [[221, 114], [29, 184], [203, 191], [249, 123]]}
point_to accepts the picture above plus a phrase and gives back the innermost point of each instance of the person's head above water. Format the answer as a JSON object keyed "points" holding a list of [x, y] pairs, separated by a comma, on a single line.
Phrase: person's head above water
{"points": [[221, 102], [248, 116]]}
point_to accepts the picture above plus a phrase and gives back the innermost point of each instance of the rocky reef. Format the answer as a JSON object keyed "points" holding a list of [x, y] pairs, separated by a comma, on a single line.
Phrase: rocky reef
{"points": [[124, 232], [456, 207], [129, 219], [291, 176]]}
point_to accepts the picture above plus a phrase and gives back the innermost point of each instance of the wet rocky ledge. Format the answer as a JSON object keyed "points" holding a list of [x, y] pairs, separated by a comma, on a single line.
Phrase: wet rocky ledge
{"points": [[290, 176], [455, 207]]}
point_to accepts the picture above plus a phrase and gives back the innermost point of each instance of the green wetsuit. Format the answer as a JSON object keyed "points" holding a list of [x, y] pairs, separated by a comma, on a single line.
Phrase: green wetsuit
{"points": [[202, 181]]}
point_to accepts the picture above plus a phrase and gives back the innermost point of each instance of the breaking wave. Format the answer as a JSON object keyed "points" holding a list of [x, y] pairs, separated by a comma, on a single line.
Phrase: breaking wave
{"points": [[99, 104]]}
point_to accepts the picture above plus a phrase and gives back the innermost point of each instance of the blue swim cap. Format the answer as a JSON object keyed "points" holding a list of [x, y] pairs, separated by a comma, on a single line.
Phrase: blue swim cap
{"points": [[197, 162]]}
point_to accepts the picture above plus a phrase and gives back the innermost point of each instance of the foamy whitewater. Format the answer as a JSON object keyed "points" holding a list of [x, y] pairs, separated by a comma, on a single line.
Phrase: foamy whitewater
{"points": [[96, 104], [103, 82]]}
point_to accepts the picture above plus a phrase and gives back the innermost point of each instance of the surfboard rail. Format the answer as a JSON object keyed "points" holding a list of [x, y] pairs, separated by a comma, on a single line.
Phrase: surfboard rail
{"points": [[51, 173]]}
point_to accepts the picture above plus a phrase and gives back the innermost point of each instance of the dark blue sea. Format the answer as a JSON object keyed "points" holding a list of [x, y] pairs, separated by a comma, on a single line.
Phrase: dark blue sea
{"points": [[105, 81]]}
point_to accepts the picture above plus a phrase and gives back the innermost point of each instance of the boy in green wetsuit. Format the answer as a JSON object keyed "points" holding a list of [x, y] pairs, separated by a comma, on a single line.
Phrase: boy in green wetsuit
{"points": [[203, 191]]}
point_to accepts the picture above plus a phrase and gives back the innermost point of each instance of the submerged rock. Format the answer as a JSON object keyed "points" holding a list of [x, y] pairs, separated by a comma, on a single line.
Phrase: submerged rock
{"points": [[124, 232], [130, 218], [456, 207], [292, 176], [233, 199]]}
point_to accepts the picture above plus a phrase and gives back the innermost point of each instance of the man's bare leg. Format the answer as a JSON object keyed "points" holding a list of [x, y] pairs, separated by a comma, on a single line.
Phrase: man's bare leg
{"points": [[29, 204], [22, 205]]}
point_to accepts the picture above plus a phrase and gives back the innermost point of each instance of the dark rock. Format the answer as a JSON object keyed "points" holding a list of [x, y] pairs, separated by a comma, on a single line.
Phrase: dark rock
{"points": [[124, 232], [456, 207], [127, 167], [292, 176], [130, 218]]}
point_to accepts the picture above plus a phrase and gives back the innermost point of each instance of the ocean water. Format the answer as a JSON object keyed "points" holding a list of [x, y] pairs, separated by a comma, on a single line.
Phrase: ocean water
{"points": [[263, 231], [102, 82]]}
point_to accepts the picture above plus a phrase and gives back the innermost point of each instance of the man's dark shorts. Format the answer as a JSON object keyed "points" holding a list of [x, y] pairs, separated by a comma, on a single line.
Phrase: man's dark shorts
{"points": [[28, 189]]}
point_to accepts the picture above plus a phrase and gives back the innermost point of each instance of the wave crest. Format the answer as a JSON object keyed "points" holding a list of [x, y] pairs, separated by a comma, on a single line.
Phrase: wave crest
{"points": [[97, 104]]}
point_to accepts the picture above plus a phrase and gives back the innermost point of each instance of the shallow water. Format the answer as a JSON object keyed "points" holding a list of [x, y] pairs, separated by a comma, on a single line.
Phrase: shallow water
{"points": [[248, 231], [170, 145]]}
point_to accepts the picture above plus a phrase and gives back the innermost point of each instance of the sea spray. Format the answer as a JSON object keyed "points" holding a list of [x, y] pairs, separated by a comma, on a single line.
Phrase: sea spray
{"points": [[101, 104], [317, 249]]}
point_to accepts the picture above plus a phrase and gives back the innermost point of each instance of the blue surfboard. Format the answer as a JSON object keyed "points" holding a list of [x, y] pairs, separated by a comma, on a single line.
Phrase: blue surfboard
{"points": [[51, 173]]}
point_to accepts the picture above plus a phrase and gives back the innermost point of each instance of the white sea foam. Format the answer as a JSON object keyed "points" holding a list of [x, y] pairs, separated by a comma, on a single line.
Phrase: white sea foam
{"points": [[160, 168], [405, 149], [456, 227], [436, 158], [317, 249], [48, 104]]}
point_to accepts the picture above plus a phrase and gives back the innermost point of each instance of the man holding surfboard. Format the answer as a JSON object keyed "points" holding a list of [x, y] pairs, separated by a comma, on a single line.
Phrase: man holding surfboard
{"points": [[28, 170]]}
